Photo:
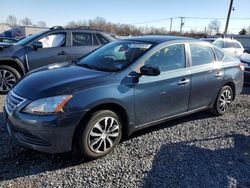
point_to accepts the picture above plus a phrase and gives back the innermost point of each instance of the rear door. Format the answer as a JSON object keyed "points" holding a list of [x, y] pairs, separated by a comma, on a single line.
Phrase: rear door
{"points": [[207, 76], [165, 95], [82, 43], [53, 51]]}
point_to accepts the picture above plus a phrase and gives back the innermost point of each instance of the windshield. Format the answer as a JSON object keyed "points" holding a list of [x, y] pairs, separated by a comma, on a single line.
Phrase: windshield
{"points": [[115, 56], [27, 39]]}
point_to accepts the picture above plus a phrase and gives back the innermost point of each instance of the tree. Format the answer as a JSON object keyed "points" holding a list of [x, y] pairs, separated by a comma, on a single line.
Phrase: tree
{"points": [[214, 25], [243, 32], [11, 20], [41, 24], [26, 21]]}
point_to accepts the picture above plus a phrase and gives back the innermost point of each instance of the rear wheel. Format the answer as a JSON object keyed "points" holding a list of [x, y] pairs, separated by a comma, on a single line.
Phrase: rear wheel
{"points": [[101, 134], [223, 101], [8, 77]]}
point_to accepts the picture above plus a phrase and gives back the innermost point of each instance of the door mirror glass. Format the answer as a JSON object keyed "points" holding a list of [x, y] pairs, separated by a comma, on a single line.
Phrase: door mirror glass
{"points": [[37, 45], [149, 70]]}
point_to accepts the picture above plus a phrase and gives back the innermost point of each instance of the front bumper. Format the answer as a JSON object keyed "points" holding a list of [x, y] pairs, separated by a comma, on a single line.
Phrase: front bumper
{"points": [[50, 134]]}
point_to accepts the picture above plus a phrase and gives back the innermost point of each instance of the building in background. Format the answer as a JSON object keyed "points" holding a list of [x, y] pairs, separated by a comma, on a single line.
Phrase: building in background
{"points": [[18, 31]]}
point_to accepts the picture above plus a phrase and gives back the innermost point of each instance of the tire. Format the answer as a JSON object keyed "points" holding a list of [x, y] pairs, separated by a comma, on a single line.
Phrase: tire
{"points": [[223, 101], [93, 137], [8, 77]]}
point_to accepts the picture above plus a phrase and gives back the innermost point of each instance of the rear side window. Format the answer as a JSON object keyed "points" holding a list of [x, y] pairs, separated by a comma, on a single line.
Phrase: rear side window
{"points": [[82, 39], [169, 58], [219, 54], [236, 45], [201, 54], [102, 39]]}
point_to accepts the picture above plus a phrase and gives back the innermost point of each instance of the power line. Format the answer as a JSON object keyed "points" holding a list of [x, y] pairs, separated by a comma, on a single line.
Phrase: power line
{"points": [[200, 18]]}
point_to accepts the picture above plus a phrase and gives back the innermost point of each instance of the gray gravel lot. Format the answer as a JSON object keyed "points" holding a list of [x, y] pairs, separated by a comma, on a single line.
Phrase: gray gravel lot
{"points": [[199, 150]]}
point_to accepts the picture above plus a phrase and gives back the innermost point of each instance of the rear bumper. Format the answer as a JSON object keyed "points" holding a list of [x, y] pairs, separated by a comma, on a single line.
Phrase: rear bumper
{"points": [[50, 134]]}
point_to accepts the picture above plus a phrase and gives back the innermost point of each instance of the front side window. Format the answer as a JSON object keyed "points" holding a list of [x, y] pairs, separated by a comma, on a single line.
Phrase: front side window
{"points": [[115, 56], [53, 40], [201, 54], [82, 39], [169, 58]]}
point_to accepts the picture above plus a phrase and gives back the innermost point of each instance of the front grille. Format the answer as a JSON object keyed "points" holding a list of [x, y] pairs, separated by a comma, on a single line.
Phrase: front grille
{"points": [[12, 101]]}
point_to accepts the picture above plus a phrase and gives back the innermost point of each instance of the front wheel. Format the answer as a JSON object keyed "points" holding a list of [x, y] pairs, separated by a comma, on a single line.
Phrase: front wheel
{"points": [[100, 135], [8, 77], [223, 101]]}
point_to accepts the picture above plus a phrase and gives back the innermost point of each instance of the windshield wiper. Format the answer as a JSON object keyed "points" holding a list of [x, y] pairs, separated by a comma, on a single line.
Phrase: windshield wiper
{"points": [[89, 66]]}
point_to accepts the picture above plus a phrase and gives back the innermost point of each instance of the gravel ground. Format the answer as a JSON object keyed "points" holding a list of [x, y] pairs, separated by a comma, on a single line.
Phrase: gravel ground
{"points": [[199, 150]]}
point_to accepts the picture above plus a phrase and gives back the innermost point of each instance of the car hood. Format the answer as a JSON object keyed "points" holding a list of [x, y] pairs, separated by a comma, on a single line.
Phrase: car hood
{"points": [[59, 79], [11, 50]]}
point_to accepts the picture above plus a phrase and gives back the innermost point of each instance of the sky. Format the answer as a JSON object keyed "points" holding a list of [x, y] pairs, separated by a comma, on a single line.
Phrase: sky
{"points": [[137, 12]]}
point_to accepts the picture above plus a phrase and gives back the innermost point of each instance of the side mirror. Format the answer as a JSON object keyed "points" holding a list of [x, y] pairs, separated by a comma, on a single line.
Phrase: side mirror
{"points": [[247, 51], [149, 70], [37, 45]]}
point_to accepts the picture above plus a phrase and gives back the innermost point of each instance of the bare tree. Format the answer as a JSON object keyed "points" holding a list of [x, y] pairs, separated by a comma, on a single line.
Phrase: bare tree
{"points": [[71, 24], [214, 25], [11, 20], [26, 21], [41, 24]]}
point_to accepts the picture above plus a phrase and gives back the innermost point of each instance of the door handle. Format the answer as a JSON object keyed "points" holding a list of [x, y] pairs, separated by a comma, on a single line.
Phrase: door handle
{"points": [[218, 74], [62, 53], [183, 81]]}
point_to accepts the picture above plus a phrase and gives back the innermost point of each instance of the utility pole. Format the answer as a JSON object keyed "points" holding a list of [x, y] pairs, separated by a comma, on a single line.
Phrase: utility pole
{"points": [[171, 22], [182, 23], [228, 16]]}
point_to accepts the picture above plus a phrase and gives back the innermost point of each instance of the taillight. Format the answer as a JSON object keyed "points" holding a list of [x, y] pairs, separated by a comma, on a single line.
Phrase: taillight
{"points": [[242, 66]]}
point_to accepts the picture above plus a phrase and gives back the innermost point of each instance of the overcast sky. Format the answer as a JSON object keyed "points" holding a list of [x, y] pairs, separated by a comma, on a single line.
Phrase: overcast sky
{"points": [[138, 12]]}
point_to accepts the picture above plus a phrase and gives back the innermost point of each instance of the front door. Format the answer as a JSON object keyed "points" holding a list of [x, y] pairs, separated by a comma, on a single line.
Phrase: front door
{"points": [[165, 95], [53, 51]]}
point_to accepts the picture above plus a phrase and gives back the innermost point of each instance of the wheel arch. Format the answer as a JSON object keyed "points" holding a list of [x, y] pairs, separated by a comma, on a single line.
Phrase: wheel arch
{"points": [[14, 63], [115, 107]]}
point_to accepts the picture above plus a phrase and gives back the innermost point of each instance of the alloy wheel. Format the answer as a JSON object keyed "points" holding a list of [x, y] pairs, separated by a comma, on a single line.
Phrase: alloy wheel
{"points": [[103, 135], [225, 100], [7, 80]]}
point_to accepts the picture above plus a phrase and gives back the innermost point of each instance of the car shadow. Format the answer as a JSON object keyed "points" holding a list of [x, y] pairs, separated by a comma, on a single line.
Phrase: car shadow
{"points": [[199, 164]]}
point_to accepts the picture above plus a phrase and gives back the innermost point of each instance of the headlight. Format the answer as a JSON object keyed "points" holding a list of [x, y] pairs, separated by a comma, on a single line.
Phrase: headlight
{"points": [[48, 105]]}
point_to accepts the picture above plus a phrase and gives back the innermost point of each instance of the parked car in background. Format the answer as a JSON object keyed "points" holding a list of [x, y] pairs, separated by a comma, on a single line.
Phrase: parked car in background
{"points": [[48, 47], [229, 45], [120, 88], [8, 40], [211, 40], [245, 59]]}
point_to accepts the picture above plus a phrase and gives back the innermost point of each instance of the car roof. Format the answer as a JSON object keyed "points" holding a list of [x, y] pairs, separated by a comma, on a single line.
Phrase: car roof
{"points": [[157, 38]]}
